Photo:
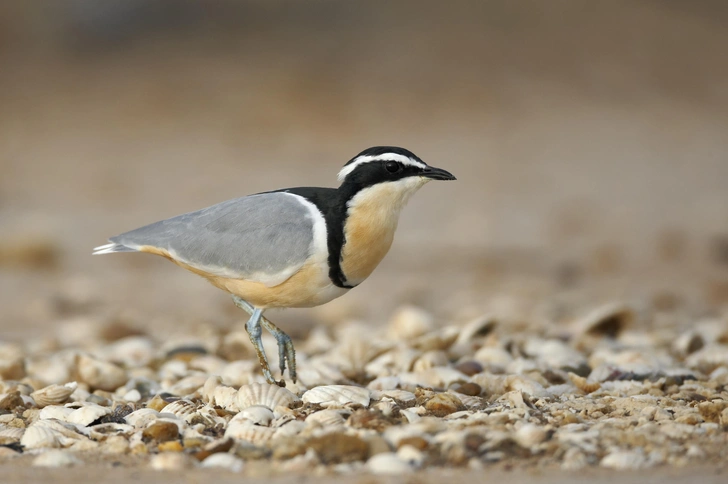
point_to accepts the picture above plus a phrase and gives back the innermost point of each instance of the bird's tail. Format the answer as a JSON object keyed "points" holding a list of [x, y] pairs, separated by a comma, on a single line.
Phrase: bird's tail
{"points": [[111, 248]]}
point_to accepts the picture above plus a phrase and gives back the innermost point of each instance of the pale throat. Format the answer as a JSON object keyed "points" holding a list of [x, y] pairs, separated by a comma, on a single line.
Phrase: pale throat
{"points": [[372, 219]]}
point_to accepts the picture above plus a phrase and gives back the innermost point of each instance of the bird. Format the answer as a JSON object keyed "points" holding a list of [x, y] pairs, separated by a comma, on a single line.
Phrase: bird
{"points": [[291, 248]]}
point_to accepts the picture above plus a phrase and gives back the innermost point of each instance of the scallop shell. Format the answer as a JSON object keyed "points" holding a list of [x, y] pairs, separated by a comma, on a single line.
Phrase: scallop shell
{"points": [[141, 418], [87, 414], [180, 408], [208, 389], [245, 430], [100, 374], [257, 414], [11, 434], [386, 406], [53, 394], [326, 418], [338, 394], [270, 396], [226, 397], [48, 434]]}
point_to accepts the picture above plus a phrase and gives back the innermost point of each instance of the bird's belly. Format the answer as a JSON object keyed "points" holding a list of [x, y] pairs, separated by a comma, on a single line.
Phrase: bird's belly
{"points": [[308, 287]]}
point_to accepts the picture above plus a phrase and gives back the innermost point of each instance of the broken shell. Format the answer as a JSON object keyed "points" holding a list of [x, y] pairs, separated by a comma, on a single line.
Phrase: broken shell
{"points": [[87, 414], [100, 374], [477, 328], [11, 434], [141, 418], [57, 412], [429, 360], [337, 394], [257, 414], [582, 384], [624, 459], [53, 394], [270, 396], [180, 408], [48, 434], [608, 320]]}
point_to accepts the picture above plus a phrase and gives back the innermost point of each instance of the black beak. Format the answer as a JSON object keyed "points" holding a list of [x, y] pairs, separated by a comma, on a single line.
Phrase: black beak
{"points": [[437, 173]]}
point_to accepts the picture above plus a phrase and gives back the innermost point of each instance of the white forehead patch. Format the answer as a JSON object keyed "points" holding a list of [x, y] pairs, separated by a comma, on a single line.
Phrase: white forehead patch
{"points": [[405, 160]]}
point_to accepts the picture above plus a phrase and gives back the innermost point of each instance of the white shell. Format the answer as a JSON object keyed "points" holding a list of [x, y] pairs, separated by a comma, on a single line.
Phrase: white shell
{"points": [[245, 430], [476, 328], [170, 461], [57, 412], [430, 359], [56, 458], [223, 461], [326, 418], [257, 414], [180, 408], [141, 418], [410, 322], [624, 459], [270, 396], [338, 394], [87, 414], [400, 395], [48, 434], [100, 374], [53, 394]]}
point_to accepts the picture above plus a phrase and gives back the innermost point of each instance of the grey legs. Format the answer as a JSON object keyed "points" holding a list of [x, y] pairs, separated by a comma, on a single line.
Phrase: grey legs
{"points": [[285, 344]]}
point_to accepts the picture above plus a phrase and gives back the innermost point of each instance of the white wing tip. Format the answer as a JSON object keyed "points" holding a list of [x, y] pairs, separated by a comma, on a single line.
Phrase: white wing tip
{"points": [[109, 249]]}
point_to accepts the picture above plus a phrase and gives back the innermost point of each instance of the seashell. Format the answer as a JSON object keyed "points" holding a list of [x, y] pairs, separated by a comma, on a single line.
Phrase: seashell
{"points": [[208, 389], [226, 397], [170, 461], [257, 414], [326, 418], [386, 406], [357, 349], [142, 417], [270, 396], [180, 408], [337, 394], [100, 374], [399, 395], [210, 364], [11, 434], [319, 372], [131, 351], [429, 360], [476, 328], [290, 429], [493, 357], [411, 455], [554, 354], [53, 394], [687, 343], [392, 362], [582, 384], [56, 412], [48, 434], [245, 430], [388, 463], [384, 383], [608, 321], [409, 322], [239, 373], [87, 414], [56, 458], [223, 461], [436, 340], [439, 377]]}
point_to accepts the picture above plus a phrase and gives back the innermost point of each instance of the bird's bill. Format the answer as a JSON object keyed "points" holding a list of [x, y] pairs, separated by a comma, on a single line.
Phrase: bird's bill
{"points": [[437, 174]]}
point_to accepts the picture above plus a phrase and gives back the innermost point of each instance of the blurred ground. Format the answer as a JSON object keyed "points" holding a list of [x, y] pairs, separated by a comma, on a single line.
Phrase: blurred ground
{"points": [[588, 140]]}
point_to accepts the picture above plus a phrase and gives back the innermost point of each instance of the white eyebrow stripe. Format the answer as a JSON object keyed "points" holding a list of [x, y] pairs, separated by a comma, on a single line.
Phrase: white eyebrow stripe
{"points": [[405, 160]]}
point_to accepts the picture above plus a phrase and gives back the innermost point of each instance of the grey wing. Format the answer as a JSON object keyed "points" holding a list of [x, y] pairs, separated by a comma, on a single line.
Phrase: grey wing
{"points": [[264, 238]]}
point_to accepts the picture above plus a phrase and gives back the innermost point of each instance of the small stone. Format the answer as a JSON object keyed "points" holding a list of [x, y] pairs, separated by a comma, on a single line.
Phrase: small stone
{"points": [[624, 460], [170, 461], [11, 401], [224, 461], [388, 464], [161, 431], [444, 404], [417, 442], [157, 403], [711, 411], [336, 448], [469, 367], [470, 389]]}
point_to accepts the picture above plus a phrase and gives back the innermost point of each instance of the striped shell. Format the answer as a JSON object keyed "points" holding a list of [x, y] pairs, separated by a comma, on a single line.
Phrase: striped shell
{"points": [[338, 394], [141, 418], [270, 396], [180, 408], [9, 435], [240, 429], [326, 418], [53, 394]]}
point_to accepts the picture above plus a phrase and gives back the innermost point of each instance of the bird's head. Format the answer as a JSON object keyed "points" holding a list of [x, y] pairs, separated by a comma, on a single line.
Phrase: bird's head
{"points": [[396, 170]]}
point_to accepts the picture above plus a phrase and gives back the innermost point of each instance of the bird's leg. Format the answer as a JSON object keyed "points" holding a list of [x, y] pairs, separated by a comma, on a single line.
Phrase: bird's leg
{"points": [[286, 351], [254, 333]]}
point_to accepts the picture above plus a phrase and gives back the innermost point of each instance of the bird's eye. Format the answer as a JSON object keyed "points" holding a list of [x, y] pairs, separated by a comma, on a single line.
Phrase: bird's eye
{"points": [[392, 166]]}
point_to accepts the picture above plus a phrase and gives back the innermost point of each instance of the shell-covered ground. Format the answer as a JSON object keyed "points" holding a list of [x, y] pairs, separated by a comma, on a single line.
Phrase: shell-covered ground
{"points": [[415, 394]]}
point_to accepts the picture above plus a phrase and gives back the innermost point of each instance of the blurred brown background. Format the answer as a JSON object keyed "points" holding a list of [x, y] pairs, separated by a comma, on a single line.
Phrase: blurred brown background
{"points": [[589, 140]]}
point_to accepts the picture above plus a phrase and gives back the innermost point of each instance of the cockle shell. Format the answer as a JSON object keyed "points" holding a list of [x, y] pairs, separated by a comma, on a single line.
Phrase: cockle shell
{"points": [[270, 396], [48, 434], [338, 394], [90, 412], [240, 429], [57, 412], [326, 418], [53, 394], [180, 408], [11, 434], [141, 418], [100, 374], [257, 414]]}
